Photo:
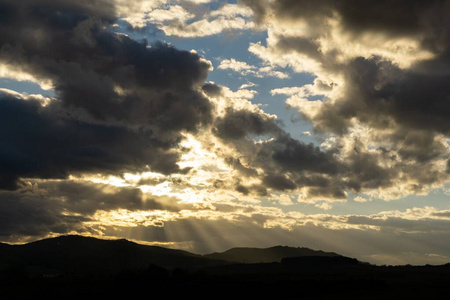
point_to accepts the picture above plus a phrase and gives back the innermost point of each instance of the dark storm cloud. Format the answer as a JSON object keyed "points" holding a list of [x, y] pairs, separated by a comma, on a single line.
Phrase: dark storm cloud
{"points": [[121, 104]]}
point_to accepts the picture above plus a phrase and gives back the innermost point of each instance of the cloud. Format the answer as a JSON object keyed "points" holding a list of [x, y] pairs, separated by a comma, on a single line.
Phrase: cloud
{"points": [[120, 104], [60, 207], [181, 23], [277, 160], [364, 237], [379, 94], [175, 12], [199, 1], [135, 143], [46, 208], [46, 144], [245, 69], [237, 124]]}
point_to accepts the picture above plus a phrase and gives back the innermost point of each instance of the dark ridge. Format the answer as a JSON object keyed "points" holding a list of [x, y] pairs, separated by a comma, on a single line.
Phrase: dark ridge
{"points": [[76, 267], [86, 254], [266, 255]]}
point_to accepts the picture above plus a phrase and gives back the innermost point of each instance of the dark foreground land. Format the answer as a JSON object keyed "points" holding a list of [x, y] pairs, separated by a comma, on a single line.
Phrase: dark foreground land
{"points": [[75, 267]]}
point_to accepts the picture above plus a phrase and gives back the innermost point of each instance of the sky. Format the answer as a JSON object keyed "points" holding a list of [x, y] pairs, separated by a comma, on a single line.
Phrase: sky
{"points": [[204, 125]]}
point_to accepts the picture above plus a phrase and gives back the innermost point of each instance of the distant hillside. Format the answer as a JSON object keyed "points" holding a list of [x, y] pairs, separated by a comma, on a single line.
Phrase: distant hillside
{"points": [[75, 267], [267, 255], [86, 254]]}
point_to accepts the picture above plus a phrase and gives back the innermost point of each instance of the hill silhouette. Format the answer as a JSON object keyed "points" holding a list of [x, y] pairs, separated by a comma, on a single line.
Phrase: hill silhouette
{"points": [[86, 254], [74, 267], [272, 254]]}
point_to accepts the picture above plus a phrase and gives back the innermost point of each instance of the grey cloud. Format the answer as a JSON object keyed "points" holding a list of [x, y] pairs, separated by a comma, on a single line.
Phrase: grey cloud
{"points": [[364, 171], [379, 92], [242, 189], [395, 18], [286, 163], [297, 156], [259, 8], [121, 104], [419, 145], [237, 165], [237, 124], [382, 96], [303, 45], [86, 198], [36, 142], [279, 182], [212, 89], [445, 214], [419, 100], [38, 209], [24, 215]]}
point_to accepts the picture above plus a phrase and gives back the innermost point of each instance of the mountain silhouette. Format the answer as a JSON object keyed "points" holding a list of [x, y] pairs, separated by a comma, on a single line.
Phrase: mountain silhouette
{"points": [[72, 267], [266, 255], [87, 254]]}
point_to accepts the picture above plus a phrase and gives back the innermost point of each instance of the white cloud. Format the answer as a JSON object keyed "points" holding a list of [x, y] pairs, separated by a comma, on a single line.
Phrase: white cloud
{"points": [[232, 10], [361, 199], [184, 20], [283, 199], [205, 27], [245, 69], [135, 12], [237, 66], [16, 73], [174, 12], [247, 85], [198, 1], [324, 206]]}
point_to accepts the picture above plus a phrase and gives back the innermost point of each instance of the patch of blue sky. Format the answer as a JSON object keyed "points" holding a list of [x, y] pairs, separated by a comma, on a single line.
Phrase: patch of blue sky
{"points": [[28, 87]]}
